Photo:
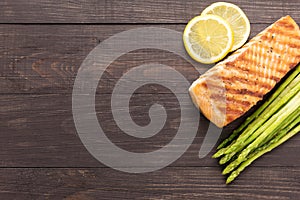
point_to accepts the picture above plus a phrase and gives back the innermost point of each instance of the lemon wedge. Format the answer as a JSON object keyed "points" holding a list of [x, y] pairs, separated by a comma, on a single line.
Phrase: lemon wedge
{"points": [[208, 38], [235, 17]]}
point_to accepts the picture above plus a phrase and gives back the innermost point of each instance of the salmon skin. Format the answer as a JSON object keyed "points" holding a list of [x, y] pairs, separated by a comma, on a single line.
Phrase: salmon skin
{"points": [[230, 88]]}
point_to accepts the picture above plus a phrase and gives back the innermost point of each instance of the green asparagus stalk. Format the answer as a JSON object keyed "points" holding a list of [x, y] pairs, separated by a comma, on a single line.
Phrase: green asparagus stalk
{"points": [[281, 99], [290, 120], [249, 119], [273, 123], [259, 123], [283, 136], [285, 123], [226, 158], [222, 151]]}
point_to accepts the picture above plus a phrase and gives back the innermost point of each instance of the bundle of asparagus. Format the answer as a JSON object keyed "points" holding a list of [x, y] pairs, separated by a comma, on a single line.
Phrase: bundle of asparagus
{"points": [[277, 120]]}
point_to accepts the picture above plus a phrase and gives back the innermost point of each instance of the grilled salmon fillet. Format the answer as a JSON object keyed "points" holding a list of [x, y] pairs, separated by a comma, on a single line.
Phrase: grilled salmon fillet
{"points": [[230, 88]]}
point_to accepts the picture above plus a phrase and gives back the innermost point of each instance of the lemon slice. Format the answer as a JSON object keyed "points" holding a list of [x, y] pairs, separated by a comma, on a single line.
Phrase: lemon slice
{"points": [[235, 17], [208, 38]]}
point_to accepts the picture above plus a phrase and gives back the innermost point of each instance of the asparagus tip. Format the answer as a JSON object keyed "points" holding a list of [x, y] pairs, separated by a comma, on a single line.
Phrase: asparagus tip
{"points": [[214, 156], [228, 181], [225, 171], [218, 154]]}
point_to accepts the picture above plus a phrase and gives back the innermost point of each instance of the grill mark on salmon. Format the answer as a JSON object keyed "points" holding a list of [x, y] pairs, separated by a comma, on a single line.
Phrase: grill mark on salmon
{"points": [[234, 85], [259, 73], [231, 100], [251, 78], [247, 81], [238, 103], [213, 85], [230, 111], [276, 56], [256, 78], [284, 24], [269, 37], [242, 79], [244, 91]]}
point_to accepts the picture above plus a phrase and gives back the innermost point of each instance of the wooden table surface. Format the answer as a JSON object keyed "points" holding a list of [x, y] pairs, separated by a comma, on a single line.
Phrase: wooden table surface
{"points": [[42, 45]]}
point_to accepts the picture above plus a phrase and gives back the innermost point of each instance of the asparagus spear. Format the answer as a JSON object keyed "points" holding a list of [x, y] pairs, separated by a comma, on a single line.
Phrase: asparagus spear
{"points": [[259, 123], [283, 136], [236, 132], [273, 123], [226, 158], [222, 151], [285, 123]]}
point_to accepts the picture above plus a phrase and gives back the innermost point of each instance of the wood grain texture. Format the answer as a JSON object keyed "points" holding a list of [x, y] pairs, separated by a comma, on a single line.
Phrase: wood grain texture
{"points": [[42, 45], [202, 183], [133, 11], [39, 131], [29, 63]]}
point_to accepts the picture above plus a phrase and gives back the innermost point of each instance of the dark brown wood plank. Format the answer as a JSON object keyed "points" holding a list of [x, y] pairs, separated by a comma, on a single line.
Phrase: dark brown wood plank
{"points": [[128, 11], [202, 183], [38, 131], [39, 59], [41, 156]]}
